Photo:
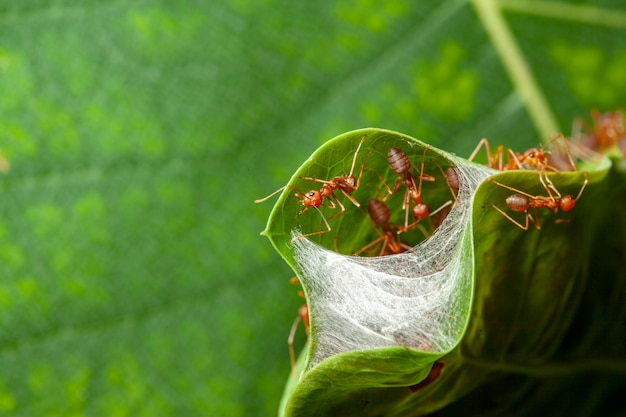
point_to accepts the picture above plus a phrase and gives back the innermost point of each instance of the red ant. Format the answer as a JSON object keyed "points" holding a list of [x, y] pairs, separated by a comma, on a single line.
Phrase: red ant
{"points": [[303, 316], [609, 128], [520, 202], [312, 199], [380, 215], [537, 159], [494, 161], [401, 165], [452, 179], [346, 183]]}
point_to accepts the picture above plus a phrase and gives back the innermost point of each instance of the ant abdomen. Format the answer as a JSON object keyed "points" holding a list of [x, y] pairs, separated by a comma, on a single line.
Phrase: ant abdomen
{"points": [[517, 203], [398, 161], [452, 178], [378, 211]]}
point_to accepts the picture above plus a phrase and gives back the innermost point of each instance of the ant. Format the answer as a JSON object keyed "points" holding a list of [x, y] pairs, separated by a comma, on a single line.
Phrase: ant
{"points": [[312, 199], [451, 175], [494, 161], [545, 161], [609, 129], [401, 165], [346, 183], [520, 202], [452, 179], [537, 159], [380, 215], [303, 316]]}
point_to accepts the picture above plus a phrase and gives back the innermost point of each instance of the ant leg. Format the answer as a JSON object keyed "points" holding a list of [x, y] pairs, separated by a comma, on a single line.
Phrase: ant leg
{"points": [[511, 160], [419, 188], [416, 224], [349, 197], [382, 249], [565, 147], [515, 222], [292, 354], [369, 245], [303, 315], [389, 192], [483, 142], [535, 220], [444, 205], [406, 206], [454, 178], [582, 187], [354, 158], [508, 187], [397, 184], [341, 207], [498, 160], [528, 217], [260, 200], [316, 180], [548, 185], [328, 229]]}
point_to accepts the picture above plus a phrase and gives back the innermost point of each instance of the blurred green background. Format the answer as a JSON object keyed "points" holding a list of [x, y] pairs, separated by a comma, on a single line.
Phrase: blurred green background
{"points": [[133, 280]]}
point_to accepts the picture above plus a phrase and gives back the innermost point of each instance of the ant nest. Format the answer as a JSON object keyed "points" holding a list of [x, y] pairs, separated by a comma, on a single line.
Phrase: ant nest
{"points": [[417, 298]]}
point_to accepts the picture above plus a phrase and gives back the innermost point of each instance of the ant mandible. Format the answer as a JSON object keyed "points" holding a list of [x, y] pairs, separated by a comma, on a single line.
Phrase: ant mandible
{"points": [[521, 202]]}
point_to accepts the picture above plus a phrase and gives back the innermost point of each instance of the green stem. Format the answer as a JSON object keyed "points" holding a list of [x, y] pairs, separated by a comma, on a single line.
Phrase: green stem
{"points": [[592, 15], [517, 68]]}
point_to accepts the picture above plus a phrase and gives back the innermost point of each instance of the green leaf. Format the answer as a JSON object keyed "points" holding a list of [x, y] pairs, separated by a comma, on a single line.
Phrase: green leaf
{"points": [[379, 325], [137, 134]]}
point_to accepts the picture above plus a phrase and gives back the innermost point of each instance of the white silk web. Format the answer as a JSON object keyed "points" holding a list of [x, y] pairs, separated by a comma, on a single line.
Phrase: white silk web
{"points": [[417, 299]]}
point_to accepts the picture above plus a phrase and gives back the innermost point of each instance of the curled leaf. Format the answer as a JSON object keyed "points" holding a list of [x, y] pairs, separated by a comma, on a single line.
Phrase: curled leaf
{"points": [[476, 296]]}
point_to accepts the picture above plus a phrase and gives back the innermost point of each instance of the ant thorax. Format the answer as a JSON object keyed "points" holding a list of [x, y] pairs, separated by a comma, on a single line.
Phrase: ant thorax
{"points": [[347, 182]]}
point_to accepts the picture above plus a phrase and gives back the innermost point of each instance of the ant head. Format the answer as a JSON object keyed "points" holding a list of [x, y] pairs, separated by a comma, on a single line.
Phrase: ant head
{"points": [[534, 157], [312, 198]]}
